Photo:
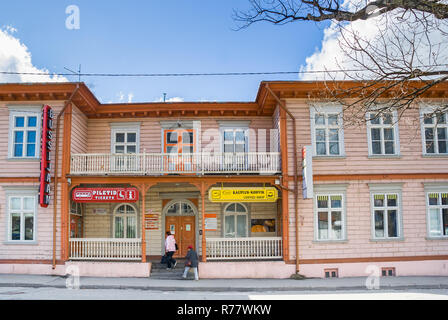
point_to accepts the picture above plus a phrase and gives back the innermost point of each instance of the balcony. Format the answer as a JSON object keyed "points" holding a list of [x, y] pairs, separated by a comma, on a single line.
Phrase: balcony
{"points": [[152, 164]]}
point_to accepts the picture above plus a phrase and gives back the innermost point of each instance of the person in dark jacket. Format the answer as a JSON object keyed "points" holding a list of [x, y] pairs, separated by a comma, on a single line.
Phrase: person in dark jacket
{"points": [[192, 261]]}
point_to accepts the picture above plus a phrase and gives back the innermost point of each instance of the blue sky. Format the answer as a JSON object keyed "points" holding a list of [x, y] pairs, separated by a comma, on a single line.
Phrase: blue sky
{"points": [[170, 36]]}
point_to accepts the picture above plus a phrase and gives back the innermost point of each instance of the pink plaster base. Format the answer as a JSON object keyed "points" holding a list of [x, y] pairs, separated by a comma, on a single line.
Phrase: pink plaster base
{"points": [[246, 270], [405, 268], [34, 269], [111, 269]]}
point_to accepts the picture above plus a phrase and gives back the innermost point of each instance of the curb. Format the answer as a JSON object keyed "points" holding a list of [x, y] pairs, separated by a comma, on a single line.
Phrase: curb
{"points": [[228, 289]]}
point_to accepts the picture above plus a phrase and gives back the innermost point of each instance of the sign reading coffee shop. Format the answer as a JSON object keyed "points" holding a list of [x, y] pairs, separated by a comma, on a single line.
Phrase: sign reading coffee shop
{"points": [[86, 195], [256, 194]]}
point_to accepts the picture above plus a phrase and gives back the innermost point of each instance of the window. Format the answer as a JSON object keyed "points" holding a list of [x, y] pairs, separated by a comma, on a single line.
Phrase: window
{"points": [[179, 141], [386, 215], [235, 221], [435, 133], [21, 217], [330, 217], [383, 133], [437, 214], [327, 131], [125, 222], [234, 140], [331, 273], [24, 134], [388, 272], [125, 142]]}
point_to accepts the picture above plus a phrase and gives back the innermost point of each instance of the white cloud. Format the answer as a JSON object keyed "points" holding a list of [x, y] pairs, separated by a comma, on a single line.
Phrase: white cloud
{"points": [[16, 57], [173, 99], [399, 35]]}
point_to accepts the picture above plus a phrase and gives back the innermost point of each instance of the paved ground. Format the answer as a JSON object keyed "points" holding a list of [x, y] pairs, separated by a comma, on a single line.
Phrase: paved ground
{"points": [[20, 293]]}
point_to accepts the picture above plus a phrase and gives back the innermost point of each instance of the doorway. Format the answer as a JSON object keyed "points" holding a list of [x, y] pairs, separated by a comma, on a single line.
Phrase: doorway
{"points": [[180, 220]]}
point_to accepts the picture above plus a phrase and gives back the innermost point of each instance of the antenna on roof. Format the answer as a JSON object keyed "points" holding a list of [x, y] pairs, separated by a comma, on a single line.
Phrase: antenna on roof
{"points": [[78, 73], [164, 97]]}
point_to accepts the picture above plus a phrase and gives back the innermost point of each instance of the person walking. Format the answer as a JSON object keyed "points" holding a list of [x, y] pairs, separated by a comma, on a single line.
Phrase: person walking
{"points": [[192, 261], [170, 249]]}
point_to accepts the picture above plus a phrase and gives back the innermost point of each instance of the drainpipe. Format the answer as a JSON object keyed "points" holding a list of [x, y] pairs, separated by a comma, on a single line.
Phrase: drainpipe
{"points": [[55, 180], [296, 184]]}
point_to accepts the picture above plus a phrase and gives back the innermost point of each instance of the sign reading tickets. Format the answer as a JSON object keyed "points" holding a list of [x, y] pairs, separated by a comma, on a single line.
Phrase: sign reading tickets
{"points": [[268, 194], [85, 195]]}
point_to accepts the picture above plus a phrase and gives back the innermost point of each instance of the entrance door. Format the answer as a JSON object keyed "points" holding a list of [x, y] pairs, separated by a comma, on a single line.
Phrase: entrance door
{"points": [[183, 229], [181, 222]]}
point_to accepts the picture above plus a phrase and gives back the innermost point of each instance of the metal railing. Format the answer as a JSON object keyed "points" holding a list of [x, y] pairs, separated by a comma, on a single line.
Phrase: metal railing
{"points": [[244, 248], [105, 249], [168, 163]]}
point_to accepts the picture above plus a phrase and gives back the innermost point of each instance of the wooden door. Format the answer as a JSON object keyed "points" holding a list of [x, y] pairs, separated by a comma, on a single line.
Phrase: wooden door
{"points": [[183, 229]]}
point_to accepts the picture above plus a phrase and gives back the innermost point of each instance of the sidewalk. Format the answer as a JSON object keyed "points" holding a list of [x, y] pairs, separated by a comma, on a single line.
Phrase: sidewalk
{"points": [[226, 285]]}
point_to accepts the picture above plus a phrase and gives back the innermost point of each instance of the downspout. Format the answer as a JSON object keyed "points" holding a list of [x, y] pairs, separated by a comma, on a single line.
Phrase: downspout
{"points": [[55, 180], [296, 183]]}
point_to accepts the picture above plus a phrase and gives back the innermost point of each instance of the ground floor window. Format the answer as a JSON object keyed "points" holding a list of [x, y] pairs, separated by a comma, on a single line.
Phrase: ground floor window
{"points": [[386, 215], [438, 214], [22, 213], [330, 217], [235, 221], [125, 222]]}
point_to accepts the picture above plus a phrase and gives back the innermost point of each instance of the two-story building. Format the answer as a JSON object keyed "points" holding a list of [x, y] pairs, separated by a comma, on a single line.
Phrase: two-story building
{"points": [[226, 178]]}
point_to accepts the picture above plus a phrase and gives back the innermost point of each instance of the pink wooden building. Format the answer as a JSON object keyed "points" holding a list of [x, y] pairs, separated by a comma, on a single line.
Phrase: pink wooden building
{"points": [[376, 200]]}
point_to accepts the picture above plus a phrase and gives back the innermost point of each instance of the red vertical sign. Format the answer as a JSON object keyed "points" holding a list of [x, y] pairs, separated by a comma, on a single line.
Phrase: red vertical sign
{"points": [[45, 164]]}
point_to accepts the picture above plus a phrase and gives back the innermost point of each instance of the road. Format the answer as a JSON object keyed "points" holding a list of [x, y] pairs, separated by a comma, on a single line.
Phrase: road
{"points": [[16, 293]]}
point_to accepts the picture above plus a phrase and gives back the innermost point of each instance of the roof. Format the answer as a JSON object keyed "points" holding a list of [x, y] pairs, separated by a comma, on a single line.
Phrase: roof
{"points": [[264, 104]]}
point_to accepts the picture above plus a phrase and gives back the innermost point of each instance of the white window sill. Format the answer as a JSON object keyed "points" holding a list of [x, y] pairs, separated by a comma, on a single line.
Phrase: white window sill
{"points": [[331, 157], [20, 242], [384, 156], [435, 155], [23, 159], [437, 238], [386, 239], [330, 241]]}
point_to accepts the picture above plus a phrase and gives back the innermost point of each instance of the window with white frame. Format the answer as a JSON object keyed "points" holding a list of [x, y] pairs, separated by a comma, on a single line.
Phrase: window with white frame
{"points": [[382, 132], [327, 131], [386, 215], [235, 221], [437, 203], [329, 219], [125, 222], [435, 132], [22, 207], [24, 134]]}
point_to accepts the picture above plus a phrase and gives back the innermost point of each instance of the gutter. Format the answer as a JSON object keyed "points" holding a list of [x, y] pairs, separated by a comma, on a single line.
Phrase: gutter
{"points": [[55, 180], [296, 184]]}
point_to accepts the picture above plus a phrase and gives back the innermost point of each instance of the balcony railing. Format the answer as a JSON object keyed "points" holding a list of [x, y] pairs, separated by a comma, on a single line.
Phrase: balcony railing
{"points": [[266, 248], [105, 249], [167, 163]]}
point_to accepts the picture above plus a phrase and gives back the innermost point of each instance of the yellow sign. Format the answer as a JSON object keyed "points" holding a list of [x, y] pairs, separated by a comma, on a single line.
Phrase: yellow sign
{"points": [[269, 194]]}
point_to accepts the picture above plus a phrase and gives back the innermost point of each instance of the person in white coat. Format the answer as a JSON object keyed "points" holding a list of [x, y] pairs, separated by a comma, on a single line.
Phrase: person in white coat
{"points": [[170, 249]]}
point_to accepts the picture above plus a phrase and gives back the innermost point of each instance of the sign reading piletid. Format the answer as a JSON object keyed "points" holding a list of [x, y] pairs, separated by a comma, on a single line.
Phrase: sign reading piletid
{"points": [[85, 195]]}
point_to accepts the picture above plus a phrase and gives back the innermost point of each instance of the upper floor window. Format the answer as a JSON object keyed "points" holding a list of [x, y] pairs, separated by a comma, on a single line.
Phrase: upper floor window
{"points": [[382, 131], [234, 140], [125, 138], [435, 133], [327, 131], [24, 134]]}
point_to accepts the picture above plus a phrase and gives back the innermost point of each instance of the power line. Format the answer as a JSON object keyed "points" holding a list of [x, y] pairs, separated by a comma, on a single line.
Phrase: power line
{"points": [[79, 74]]}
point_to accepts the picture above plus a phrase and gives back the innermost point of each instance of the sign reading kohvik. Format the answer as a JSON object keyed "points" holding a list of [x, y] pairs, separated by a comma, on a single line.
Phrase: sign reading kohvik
{"points": [[256, 194]]}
